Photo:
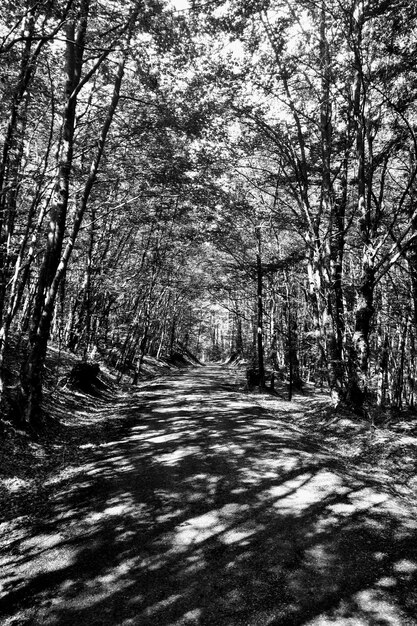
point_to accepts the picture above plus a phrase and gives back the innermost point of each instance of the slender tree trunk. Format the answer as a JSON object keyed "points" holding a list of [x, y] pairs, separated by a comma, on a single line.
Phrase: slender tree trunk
{"points": [[399, 381], [291, 352], [172, 335], [412, 263], [335, 208], [260, 347], [411, 369], [383, 372], [360, 349], [364, 313], [315, 292], [87, 287], [142, 351], [239, 334]]}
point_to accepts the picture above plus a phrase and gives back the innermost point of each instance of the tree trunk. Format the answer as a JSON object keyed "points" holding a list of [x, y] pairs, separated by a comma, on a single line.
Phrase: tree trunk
{"points": [[333, 323], [359, 366], [358, 389], [259, 294], [399, 379], [383, 372], [291, 352], [239, 334]]}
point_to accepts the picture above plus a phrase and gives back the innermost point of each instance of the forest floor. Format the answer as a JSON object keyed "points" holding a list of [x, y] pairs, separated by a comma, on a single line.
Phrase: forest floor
{"points": [[190, 502]]}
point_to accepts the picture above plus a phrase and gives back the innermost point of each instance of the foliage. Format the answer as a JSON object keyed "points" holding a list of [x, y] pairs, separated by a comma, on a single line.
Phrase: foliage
{"points": [[203, 155]]}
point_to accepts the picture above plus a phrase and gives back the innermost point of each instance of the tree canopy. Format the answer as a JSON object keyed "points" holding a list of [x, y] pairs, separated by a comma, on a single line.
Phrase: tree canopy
{"points": [[224, 178]]}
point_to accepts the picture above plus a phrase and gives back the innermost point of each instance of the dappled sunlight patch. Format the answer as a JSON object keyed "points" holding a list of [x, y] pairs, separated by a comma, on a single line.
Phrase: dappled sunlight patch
{"points": [[37, 555], [288, 488], [277, 464], [137, 427], [365, 498], [56, 560], [248, 477], [164, 438], [198, 529], [320, 558], [117, 509], [158, 606], [201, 488], [190, 618], [405, 567], [301, 492], [386, 582], [45, 541], [228, 448], [379, 608], [211, 524], [360, 500], [240, 536], [177, 455], [13, 485], [113, 444], [80, 596], [172, 408], [119, 464]]}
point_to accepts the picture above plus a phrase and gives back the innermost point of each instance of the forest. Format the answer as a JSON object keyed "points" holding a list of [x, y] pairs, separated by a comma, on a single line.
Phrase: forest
{"points": [[230, 179], [208, 312]]}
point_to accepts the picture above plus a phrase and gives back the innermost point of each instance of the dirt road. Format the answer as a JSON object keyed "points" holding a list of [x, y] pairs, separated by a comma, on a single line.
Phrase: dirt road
{"points": [[208, 510]]}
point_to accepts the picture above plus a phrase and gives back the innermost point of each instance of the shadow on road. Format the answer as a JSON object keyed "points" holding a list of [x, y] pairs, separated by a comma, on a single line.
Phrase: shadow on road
{"points": [[208, 510]]}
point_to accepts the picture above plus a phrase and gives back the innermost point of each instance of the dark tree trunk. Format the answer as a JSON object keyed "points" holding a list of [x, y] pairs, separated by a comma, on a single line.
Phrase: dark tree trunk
{"points": [[383, 372], [364, 314], [260, 347], [291, 352], [399, 380], [239, 335]]}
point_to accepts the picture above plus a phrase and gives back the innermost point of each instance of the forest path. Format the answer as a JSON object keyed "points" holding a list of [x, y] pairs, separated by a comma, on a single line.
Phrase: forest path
{"points": [[209, 510]]}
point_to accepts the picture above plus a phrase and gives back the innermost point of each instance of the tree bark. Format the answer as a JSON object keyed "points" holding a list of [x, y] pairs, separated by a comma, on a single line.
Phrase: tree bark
{"points": [[260, 347]]}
